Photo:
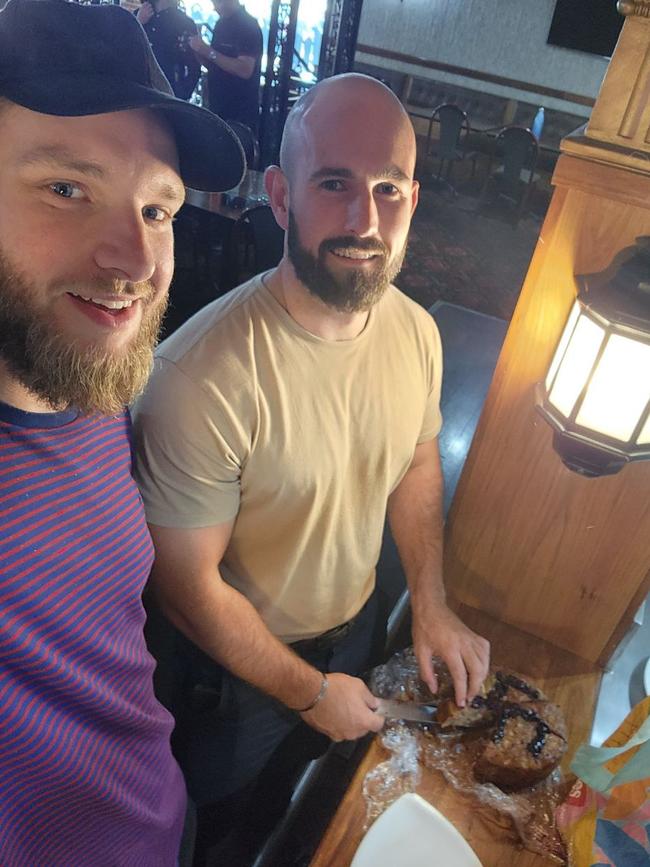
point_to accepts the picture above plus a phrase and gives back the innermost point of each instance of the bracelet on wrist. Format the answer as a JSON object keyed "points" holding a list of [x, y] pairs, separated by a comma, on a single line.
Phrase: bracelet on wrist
{"points": [[321, 695]]}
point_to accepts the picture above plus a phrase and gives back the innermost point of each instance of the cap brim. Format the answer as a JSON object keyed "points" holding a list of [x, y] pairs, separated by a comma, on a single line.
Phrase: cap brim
{"points": [[211, 157]]}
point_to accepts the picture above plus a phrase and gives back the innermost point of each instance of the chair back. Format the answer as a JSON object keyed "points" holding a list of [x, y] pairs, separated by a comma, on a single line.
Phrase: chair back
{"points": [[452, 122], [256, 244], [267, 238], [519, 150], [248, 141]]}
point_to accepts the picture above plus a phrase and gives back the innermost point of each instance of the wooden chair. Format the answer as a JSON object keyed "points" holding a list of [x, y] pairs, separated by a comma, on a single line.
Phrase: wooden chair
{"points": [[511, 170]]}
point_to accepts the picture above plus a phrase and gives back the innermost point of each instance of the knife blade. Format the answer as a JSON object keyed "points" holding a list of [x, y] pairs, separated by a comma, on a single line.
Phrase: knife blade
{"points": [[408, 710]]}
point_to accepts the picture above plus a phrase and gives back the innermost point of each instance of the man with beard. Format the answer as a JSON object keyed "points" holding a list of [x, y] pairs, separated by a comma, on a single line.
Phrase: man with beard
{"points": [[94, 154], [280, 426]]}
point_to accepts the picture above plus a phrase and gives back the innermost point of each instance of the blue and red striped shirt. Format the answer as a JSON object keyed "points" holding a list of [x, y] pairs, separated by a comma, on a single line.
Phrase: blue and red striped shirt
{"points": [[86, 772]]}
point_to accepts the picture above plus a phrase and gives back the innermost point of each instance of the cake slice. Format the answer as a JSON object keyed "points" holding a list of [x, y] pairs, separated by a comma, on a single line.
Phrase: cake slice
{"points": [[499, 686]]}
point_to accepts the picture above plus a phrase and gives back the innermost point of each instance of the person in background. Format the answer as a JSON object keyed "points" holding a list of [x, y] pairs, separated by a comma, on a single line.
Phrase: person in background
{"points": [[233, 60], [280, 426], [169, 31], [94, 154]]}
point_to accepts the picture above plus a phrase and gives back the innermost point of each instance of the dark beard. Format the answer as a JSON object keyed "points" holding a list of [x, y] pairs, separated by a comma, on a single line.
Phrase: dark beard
{"points": [[58, 371], [353, 291]]}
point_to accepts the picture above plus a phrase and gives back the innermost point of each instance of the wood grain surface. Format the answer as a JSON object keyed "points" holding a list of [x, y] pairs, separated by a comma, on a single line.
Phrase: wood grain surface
{"points": [[568, 680], [536, 545], [622, 111]]}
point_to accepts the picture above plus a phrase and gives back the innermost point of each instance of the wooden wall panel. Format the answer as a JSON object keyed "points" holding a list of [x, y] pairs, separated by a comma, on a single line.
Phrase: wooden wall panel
{"points": [[557, 555], [622, 112]]}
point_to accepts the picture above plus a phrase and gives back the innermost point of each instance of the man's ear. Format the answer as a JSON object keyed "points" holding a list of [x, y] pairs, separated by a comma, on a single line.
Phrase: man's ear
{"points": [[277, 188], [415, 195]]}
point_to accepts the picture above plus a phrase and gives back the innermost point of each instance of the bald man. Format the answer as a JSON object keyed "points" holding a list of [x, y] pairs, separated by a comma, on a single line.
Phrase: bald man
{"points": [[281, 425]]}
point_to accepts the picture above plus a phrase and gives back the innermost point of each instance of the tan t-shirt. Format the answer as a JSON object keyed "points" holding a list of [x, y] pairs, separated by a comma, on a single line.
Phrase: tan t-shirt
{"points": [[303, 439]]}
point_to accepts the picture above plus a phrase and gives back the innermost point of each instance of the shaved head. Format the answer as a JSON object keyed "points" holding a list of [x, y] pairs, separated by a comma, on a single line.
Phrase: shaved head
{"points": [[343, 100], [344, 191]]}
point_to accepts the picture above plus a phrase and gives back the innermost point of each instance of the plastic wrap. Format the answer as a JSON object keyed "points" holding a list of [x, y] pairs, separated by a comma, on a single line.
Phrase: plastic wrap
{"points": [[526, 815], [397, 776]]}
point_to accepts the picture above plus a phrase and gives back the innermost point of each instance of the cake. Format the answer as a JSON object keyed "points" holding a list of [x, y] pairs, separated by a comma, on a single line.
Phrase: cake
{"points": [[499, 686], [526, 744], [525, 734], [511, 734]]}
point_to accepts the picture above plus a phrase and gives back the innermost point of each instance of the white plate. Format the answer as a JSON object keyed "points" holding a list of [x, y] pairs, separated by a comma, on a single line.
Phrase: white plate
{"points": [[412, 833]]}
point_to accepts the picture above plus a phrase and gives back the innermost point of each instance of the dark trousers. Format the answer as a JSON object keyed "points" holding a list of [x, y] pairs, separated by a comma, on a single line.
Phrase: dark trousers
{"points": [[242, 752]]}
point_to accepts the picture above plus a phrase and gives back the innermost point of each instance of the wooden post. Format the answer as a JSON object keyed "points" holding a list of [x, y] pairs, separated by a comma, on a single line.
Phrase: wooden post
{"points": [[560, 556], [407, 84], [509, 112]]}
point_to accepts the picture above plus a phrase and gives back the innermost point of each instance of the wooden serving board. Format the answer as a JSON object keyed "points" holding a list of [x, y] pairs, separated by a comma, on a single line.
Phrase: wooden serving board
{"points": [[568, 680]]}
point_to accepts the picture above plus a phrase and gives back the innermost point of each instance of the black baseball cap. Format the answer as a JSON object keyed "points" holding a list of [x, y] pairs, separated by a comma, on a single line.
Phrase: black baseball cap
{"points": [[63, 58]]}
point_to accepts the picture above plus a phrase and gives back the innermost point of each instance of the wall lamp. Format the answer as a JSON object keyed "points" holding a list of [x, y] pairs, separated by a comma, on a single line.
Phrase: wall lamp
{"points": [[596, 395]]}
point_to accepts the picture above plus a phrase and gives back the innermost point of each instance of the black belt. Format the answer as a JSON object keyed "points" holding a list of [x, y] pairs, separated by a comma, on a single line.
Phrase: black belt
{"points": [[325, 640]]}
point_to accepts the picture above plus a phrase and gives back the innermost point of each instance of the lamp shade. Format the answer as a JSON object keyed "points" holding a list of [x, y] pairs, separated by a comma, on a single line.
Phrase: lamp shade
{"points": [[596, 394]]}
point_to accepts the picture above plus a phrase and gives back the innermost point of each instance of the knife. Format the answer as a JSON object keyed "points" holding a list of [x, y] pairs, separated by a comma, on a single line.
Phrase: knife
{"points": [[408, 710]]}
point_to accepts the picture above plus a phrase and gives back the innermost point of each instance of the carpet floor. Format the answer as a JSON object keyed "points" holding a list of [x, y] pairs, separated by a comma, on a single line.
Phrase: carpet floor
{"points": [[468, 255]]}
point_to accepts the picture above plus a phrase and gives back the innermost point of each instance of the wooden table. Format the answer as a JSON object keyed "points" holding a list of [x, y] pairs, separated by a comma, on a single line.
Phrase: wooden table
{"points": [[568, 680], [231, 203]]}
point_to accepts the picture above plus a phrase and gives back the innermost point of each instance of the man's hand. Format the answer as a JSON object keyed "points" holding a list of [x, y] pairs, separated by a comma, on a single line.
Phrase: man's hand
{"points": [[145, 13], [347, 710], [199, 47], [415, 514], [442, 633]]}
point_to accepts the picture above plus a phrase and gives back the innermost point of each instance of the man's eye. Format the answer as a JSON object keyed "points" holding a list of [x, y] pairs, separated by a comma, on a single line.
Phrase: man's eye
{"points": [[388, 189], [151, 212], [66, 190], [334, 185]]}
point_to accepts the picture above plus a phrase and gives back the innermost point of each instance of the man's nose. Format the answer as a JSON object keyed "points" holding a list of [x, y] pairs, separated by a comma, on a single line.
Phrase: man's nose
{"points": [[125, 249], [362, 217]]}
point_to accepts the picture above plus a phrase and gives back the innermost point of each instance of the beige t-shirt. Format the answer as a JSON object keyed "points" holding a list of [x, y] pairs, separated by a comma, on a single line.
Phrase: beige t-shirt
{"points": [[247, 414]]}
